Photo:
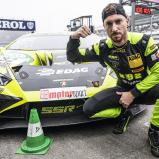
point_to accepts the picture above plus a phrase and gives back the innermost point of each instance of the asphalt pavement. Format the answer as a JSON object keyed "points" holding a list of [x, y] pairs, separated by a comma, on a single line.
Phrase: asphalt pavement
{"points": [[88, 141]]}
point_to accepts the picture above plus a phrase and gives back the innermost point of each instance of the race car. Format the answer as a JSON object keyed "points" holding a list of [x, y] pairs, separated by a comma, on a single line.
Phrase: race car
{"points": [[58, 91]]}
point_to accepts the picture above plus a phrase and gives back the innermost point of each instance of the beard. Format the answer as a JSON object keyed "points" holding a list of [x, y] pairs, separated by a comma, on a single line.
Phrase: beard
{"points": [[117, 37]]}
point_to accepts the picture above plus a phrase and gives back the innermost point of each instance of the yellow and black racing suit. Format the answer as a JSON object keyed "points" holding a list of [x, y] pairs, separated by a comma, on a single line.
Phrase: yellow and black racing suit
{"points": [[136, 65]]}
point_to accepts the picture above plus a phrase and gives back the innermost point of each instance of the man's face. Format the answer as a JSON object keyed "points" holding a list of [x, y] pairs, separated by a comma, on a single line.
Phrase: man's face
{"points": [[116, 28]]}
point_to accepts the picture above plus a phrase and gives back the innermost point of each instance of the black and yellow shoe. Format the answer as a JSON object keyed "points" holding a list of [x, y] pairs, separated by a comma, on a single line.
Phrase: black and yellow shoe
{"points": [[153, 136], [126, 116], [122, 123]]}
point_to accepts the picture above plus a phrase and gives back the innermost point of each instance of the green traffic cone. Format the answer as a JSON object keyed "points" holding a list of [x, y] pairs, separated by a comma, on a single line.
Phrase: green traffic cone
{"points": [[36, 142]]}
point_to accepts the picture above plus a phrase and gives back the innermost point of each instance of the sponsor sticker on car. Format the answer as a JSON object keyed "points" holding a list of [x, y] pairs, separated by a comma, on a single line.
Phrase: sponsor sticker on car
{"points": [[50, 71], [63, 93]]}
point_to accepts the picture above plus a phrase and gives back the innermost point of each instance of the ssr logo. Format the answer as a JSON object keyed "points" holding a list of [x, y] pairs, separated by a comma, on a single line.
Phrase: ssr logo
{"points": [[58, 109]]}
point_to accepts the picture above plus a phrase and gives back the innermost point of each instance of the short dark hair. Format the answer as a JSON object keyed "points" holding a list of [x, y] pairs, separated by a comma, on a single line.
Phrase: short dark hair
{"points": [[113, 8]]}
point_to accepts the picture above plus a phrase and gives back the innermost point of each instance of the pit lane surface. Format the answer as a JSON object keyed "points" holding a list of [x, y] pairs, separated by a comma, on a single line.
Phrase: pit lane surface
{"points": [[88, 141]]}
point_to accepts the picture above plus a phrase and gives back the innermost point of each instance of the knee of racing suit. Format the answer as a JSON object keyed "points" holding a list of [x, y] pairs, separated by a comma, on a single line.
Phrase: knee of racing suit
{"points": [[91, 108]]}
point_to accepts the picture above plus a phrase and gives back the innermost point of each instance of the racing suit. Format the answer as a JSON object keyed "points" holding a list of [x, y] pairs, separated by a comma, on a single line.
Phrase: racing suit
{"points": [[136, 65]]}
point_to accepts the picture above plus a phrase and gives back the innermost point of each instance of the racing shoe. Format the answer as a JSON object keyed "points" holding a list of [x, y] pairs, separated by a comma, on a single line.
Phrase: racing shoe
{"points": [[126, 116], [153, 136], [123, 122]]}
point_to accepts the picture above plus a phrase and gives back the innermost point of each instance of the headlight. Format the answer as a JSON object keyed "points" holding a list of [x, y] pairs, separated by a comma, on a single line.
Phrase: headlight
{"points": [[18, 58]]}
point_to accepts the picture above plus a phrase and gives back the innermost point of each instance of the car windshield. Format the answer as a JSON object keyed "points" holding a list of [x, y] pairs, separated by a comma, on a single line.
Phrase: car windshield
{"points": [[8, 36], [47, 42]]}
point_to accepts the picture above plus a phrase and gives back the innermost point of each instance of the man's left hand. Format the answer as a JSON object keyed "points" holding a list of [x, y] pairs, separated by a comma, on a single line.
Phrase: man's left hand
{"points": [[126, 98]]}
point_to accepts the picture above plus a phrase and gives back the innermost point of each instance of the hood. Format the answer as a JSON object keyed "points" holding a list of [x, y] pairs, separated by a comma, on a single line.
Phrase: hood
{"points": [[62, 73]]}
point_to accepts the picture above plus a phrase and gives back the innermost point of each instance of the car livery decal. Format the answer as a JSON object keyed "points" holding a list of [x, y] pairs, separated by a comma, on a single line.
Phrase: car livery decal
{"points": [[63, 93], [60, 109], [49, 71]]}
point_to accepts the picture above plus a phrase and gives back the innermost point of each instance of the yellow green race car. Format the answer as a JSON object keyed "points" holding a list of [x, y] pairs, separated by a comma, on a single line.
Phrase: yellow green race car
{"points": [[58, 91]]}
